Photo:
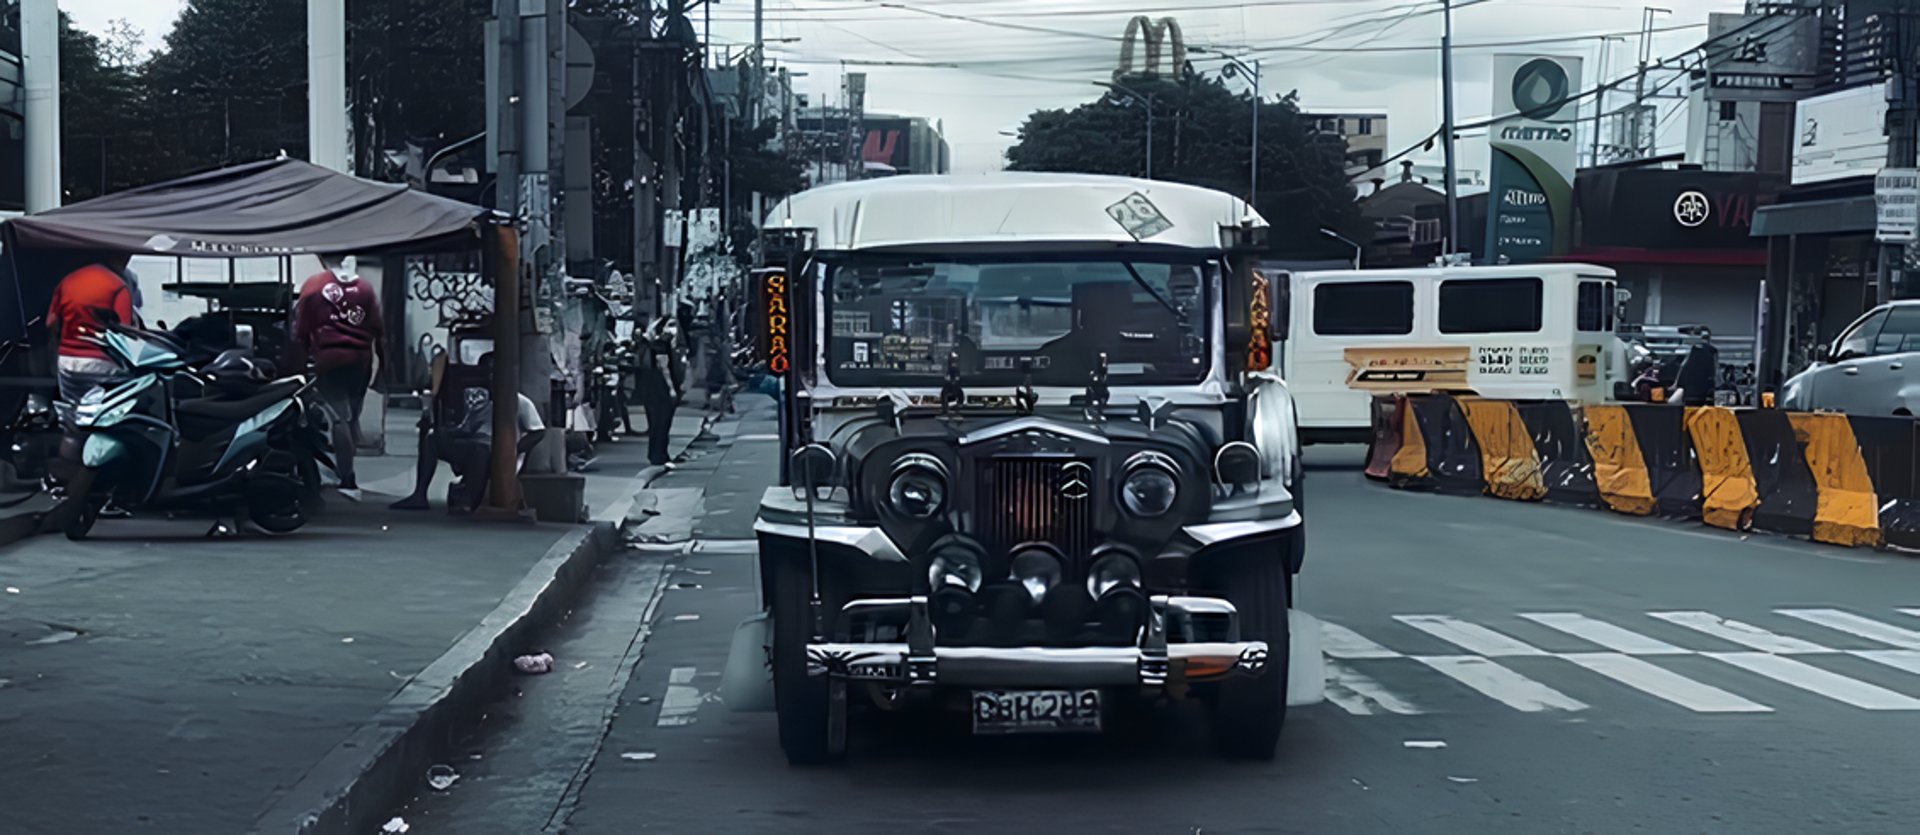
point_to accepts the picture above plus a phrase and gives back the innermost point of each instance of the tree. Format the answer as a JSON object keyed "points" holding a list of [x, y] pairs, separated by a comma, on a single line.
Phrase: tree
{"points": [[105, 136], [1200, 134], [231, 85]]}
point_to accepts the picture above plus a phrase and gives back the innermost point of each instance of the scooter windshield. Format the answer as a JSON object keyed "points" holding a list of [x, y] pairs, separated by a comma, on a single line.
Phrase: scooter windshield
{"points": [[138, 350]]}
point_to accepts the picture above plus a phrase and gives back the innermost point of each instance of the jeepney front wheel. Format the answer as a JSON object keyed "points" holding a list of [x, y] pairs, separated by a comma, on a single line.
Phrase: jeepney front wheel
{"points": [[1248, 711], [802, 702]]}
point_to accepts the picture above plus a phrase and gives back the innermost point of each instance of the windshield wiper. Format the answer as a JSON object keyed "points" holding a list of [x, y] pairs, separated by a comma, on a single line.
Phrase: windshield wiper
{"points": [[1141, 280]]}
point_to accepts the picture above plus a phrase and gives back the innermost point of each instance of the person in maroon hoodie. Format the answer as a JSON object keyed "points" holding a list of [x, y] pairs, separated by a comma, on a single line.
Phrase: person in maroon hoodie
{"points": [[336, 324]]}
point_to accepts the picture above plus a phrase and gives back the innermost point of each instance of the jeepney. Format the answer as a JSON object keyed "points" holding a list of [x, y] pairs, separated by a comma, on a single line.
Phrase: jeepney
{"points": [[1036, 469]]}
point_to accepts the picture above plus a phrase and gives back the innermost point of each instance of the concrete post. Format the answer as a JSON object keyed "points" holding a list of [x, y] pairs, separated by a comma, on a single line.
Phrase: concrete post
{"points": [[327, 84], [40, 59]]}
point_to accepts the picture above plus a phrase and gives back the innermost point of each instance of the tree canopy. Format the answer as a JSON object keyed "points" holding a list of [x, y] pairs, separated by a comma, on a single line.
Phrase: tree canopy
{"points": [[1201, 131]]}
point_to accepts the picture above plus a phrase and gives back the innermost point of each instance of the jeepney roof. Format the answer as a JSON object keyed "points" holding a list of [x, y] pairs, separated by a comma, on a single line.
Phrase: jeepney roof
{"points": [[924, 211]]}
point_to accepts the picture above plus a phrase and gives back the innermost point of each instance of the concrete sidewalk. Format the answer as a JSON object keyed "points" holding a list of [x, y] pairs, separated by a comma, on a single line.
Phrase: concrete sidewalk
{"points": [[154, 680]]}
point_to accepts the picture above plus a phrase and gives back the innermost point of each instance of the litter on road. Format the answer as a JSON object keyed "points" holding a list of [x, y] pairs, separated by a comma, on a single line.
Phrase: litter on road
{"points": [[534, 665], [442, 777], [396, 826], [638, 756], [1424, 743], [1464, 779]]}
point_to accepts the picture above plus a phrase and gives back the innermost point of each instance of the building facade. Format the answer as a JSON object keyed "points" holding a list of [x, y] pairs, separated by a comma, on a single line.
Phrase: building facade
{"points": [[13, 147]]}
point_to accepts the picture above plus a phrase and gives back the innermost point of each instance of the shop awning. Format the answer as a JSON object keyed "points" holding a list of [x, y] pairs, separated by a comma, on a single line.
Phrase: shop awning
{"points": [[1834, 216], [1614, 255]]}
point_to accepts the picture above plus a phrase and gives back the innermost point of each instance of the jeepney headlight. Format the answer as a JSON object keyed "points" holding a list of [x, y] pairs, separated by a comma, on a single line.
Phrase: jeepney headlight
{"points": [[919, 486], [1151, 486]]}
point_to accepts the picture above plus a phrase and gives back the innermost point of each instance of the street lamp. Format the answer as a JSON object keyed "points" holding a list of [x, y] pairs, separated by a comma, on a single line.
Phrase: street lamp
{"points": [[1336, 236], [1143, 98], [1235, 68]]}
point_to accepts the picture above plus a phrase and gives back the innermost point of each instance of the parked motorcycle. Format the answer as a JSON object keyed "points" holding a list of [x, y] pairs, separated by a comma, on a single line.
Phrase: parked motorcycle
{"points": [[170, 438]]}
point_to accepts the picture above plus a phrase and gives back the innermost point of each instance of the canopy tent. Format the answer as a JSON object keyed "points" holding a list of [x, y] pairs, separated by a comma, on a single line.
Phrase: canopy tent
{"points": [[272, 208]]}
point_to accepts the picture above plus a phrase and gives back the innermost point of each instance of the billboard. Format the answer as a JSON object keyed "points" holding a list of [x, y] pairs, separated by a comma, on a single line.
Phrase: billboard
{"points": [[1535, 150], [1840, 135], [1761, 57], [889, 142]]}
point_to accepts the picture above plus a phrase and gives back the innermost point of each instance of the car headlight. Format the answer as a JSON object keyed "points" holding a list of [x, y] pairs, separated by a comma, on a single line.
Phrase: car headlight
{"points": [[1151, 486], [919, 485]]}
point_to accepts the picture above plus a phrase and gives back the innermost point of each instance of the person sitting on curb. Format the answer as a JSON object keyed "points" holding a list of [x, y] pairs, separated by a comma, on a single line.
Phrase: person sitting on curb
{"points": [[467, 446]]}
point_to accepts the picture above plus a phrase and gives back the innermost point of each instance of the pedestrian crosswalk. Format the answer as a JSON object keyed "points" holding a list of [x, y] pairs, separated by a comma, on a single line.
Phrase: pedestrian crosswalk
{"points": [[1565, 662]]}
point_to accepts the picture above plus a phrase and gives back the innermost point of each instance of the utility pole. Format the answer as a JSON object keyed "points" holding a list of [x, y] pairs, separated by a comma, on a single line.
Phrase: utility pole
{"points": [[40, 75], [1903, 138], [1600, 98], [1641, 143], [1253, 166], [1446, 127]]}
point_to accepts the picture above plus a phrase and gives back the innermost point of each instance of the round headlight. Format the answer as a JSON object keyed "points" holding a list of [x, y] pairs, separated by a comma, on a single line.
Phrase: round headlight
{"points": [[1237, 464], [919, 487], [1151, 486]]}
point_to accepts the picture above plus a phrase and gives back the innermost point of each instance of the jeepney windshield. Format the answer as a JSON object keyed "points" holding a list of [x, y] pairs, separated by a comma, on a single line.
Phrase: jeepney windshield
{"points": [[894, 321]]}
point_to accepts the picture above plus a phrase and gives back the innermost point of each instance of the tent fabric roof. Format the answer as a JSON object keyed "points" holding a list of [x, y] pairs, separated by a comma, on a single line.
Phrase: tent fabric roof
{"points": [[268, 208]]}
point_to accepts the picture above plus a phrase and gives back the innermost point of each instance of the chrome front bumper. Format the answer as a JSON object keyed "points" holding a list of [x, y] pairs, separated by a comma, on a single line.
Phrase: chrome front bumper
{"points": [[919, 662], [1036, 666]]}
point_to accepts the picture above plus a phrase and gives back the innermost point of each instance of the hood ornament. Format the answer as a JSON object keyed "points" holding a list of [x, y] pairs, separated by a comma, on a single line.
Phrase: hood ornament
{"points": [[1026, 398], [1098, 395], [952, 396], [1153, 411]]}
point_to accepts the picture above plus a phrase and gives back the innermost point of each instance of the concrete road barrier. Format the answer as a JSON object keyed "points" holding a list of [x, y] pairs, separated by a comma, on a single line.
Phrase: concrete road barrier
{"points": [[1840, 479]]}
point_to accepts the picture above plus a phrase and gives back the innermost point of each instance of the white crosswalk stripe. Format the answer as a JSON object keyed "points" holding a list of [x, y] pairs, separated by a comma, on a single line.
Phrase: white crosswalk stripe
{"points": [[1367, 678], [1854, 624], [1362, 696], [1501, 684], [1471, 637], [1665, 684], [1340, 642], [1745, 634], [1818, 681], [1624, 641]]}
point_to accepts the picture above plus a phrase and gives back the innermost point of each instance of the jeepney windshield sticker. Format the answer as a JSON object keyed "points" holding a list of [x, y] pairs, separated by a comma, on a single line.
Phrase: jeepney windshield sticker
{"points": [[1139, 217]]}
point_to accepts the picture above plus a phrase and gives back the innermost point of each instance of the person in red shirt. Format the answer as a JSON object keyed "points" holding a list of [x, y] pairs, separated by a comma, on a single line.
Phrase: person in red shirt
{"points": [[84, 303], [337, 324]]}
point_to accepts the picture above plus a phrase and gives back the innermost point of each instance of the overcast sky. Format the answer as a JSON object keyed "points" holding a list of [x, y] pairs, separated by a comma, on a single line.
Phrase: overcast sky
{"points": [[1008, 59]]}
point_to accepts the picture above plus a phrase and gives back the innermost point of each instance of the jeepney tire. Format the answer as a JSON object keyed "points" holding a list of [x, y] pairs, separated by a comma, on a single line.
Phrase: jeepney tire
{"points": [[1250, 710], [801, 701]]}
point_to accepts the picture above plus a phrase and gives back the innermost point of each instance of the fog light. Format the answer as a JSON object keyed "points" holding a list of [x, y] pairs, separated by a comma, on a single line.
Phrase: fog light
{"points": [[954, 577], [1037, 569]]}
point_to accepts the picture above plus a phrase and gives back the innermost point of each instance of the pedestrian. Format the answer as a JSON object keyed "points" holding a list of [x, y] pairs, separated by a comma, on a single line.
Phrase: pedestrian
{"points": [[1699, 372], [466, 444], [337, 325], [657, 392], [85, 303]]}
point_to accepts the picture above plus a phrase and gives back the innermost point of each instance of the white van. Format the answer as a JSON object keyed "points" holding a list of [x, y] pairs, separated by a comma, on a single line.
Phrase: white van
{"points": [[1523, 331]]}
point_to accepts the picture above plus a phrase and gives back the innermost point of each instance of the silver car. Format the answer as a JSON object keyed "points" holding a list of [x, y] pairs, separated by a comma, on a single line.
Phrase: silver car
{"points": [[1872, 369]]}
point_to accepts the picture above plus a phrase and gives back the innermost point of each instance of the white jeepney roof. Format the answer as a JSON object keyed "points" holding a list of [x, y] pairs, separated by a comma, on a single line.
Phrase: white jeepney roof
{"points": [[1005, 208]]}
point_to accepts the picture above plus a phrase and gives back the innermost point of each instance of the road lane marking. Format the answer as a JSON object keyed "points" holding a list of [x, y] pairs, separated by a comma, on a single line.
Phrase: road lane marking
{"points": [[682, 700], [1913, 612], [1664, 684], [1362, 696], [1340, 642], [1625, 641], [1906, 660], [1471, 637], [1818, 681], [1743, 634], [1500, 684], [1854, 624]]}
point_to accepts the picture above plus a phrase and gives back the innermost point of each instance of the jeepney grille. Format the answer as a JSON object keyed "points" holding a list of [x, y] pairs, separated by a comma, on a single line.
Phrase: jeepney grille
{"points": [[1046, 500]]}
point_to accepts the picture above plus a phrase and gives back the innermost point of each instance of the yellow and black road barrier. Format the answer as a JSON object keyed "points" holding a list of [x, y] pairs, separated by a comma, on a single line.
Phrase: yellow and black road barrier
{"points": [[1841, 479]]}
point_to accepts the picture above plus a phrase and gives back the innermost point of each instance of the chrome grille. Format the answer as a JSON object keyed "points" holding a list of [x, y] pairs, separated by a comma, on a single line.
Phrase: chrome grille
{"points": [[1037, 499]]}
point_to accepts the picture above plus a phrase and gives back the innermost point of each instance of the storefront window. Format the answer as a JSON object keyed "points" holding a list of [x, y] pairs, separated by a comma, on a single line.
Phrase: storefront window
{"points": [[1490, 305]]}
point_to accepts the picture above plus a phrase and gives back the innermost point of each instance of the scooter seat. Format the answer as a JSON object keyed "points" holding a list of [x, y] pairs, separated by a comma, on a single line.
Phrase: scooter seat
{"points": [[236, 410]]}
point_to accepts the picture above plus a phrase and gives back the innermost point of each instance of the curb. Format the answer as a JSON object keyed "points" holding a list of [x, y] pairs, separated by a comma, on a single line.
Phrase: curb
{"points": [[382, 763]]}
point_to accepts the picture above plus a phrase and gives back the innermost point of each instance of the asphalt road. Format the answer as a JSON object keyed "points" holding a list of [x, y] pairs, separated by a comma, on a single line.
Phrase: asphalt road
{"points": [[1497, 667]]}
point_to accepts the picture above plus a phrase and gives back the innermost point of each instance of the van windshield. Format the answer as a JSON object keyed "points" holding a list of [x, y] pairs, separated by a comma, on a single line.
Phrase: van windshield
{"points": [[895, 321]]}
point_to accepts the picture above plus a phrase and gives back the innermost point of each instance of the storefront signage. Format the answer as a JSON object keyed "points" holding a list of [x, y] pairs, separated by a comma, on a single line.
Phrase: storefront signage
{"points": [[1534, 154], [773, 289], [1840, 135], [1673, 210], [1896, 200], [1760, 57], [1691, 209]]}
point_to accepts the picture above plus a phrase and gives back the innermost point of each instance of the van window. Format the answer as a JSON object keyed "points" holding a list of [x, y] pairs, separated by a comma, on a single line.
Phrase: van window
{"points": [[1490, 305], [1363, 308], [1595, 305]]}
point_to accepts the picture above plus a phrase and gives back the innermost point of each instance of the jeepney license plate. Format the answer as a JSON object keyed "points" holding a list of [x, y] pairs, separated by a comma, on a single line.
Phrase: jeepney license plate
{"points": [[1035, 711]]}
